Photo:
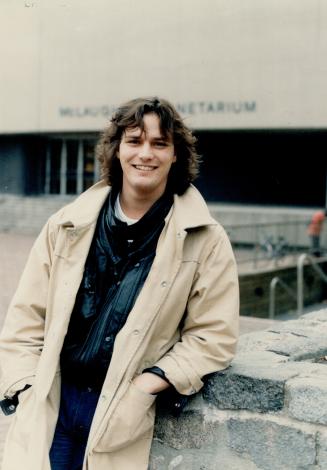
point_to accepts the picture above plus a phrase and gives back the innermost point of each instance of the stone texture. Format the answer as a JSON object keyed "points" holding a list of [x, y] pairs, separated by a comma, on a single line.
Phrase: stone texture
{"points": [[163, 458], [258, 341], [299, 348], [296, 340], [304, 369], [273, 446], [322, 449], [307, 399], [304, 326], [259, 358], [190, 430], [214, 453], [248, 386]]}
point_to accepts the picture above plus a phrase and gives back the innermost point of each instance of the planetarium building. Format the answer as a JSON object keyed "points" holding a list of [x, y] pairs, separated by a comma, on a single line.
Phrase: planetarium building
{"points": [[248, 77]]}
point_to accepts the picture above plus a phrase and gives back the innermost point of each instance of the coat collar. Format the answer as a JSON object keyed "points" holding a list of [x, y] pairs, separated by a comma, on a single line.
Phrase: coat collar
{"points": [[85, 209], [190, 210]]}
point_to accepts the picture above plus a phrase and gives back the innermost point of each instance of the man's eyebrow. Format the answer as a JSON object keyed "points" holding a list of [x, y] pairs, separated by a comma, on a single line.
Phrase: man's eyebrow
{"points": [[165, 138], [132, 133]]}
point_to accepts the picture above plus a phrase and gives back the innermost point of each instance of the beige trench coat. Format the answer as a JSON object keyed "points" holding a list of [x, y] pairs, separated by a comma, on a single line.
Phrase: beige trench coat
{"points": [[193, 272]]}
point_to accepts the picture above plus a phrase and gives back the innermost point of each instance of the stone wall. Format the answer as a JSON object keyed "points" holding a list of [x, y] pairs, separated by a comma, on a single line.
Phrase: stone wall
{"points": [[268, 411]]}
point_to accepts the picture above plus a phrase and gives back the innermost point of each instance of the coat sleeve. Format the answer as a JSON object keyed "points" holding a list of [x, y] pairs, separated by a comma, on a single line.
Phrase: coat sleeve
{"points": [[21, 339], [211, 325]]}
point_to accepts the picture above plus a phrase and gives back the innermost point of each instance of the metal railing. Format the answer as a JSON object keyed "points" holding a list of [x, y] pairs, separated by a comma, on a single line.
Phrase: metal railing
{"points": [[275, 245], [272, 294], [300, 265], [297, 295], [271, 242]]}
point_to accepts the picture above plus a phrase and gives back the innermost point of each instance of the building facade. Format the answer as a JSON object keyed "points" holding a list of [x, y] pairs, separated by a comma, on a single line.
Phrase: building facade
{"points": [[249, 78]]}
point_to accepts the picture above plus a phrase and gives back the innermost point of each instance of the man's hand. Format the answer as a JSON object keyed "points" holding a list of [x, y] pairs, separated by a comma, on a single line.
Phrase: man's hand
{"points": [[150, 383]]}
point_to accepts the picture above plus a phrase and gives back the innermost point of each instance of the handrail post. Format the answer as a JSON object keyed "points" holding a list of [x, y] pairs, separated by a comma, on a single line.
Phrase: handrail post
{"points": [[300, 283], [272, 293], [272, 290], [256, 241], [300, 264]]}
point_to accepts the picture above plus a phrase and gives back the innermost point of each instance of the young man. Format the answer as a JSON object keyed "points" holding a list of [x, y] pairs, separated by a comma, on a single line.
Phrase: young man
{"points": [[128, 291]]}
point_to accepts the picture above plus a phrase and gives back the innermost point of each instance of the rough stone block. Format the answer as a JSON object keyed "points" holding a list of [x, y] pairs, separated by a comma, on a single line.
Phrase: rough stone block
{"points": [[249, 387], [299, 348], [273, 446], [307, 399], [297, 342], [191, 459], [304, 328], [189, 430], [261, 358], [322, 450], [213, 455], [257, 341]]}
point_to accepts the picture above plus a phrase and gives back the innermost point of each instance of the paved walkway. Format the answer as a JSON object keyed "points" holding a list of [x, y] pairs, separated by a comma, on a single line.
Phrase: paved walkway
{"points": [[13, 255]]}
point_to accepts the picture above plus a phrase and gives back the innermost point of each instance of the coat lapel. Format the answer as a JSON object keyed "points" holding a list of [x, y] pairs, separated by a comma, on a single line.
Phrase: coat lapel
{"points": [[76, 229]]}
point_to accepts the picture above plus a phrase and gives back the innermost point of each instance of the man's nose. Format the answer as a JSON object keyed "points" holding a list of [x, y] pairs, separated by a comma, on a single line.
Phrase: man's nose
{"points": [[146, 151]]}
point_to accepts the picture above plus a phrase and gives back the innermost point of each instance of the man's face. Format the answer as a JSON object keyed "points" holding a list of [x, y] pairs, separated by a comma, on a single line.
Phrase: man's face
{"points": [[146, 158]]}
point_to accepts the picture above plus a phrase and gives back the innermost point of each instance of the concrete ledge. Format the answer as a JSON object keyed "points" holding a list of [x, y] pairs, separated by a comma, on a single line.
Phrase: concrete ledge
{"points": [[267, 411]]}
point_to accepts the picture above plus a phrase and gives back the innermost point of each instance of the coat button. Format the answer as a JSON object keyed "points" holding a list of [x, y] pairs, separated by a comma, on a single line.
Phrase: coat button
{"points": [[163, 284], [136, 332]]}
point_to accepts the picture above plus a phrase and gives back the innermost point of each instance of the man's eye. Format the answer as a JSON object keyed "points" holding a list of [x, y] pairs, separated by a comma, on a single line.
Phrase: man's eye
{"points": [[161, 144], [132, 141]]}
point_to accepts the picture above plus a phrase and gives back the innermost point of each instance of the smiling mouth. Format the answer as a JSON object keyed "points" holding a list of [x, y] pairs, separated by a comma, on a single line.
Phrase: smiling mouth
{"points": [[144, 167]]}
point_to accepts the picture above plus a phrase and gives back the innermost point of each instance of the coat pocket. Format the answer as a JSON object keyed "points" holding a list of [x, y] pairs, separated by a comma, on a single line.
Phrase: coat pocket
{"points": [[21, 430], [132, 419]]}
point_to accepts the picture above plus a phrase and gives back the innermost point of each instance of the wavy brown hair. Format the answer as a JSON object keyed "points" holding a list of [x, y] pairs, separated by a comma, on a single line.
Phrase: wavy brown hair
{"points": [[130, 115]]}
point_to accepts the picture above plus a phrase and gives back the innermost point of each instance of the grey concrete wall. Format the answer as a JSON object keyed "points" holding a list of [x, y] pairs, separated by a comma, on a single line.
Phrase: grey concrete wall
{"points": [[243, 223], [268, 411], [27, 215]]}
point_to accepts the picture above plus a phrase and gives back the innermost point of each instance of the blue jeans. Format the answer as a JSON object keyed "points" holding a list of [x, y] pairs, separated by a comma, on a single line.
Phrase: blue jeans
{"points": [[77, 407]]}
